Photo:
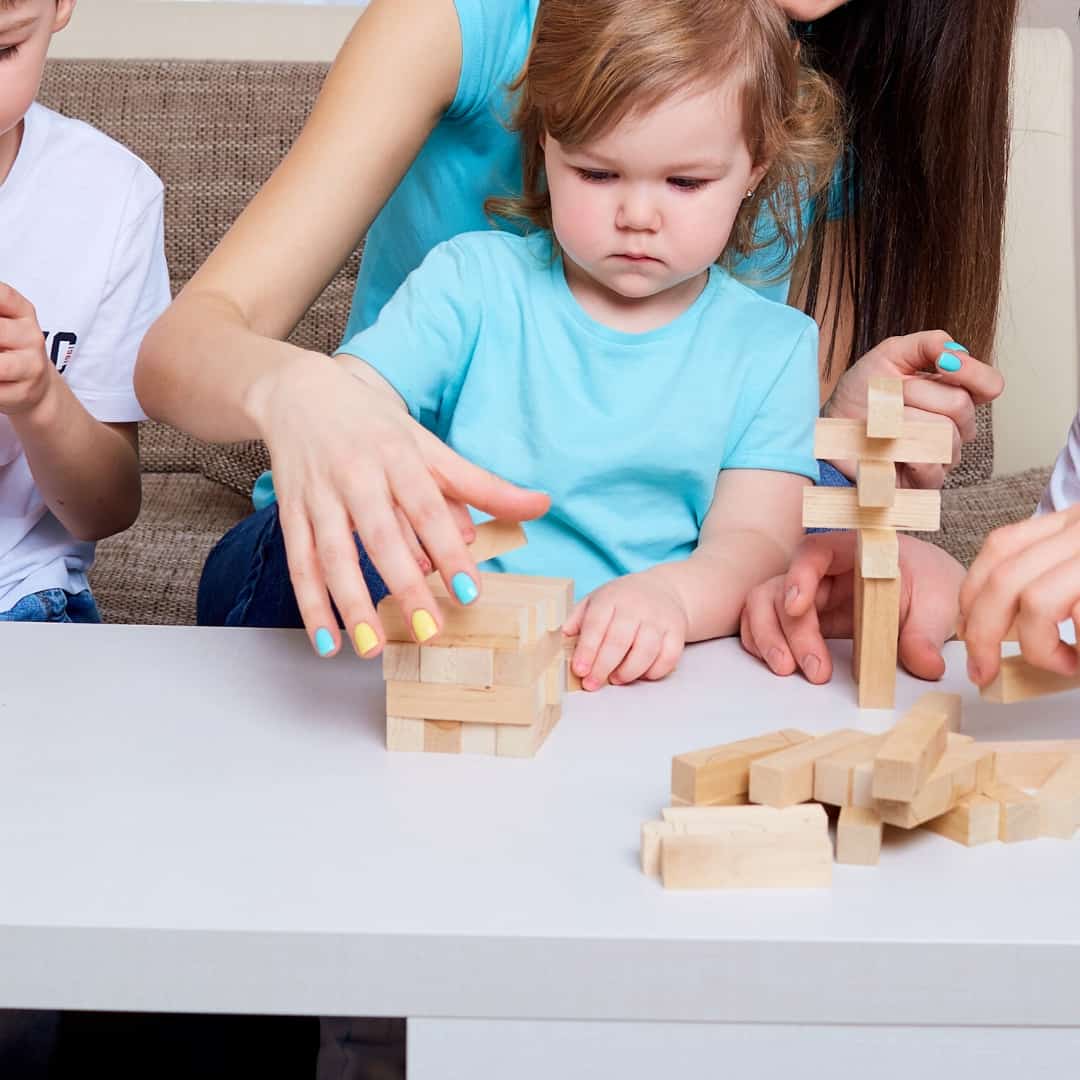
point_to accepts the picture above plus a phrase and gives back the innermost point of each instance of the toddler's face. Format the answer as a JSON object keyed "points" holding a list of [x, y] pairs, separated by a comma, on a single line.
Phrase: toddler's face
{"points": [[25, 29], [650, 205]]}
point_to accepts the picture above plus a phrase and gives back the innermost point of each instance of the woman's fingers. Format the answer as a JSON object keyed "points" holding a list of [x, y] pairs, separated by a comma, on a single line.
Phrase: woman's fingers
{"points": [[935, 398], [306, 574]]}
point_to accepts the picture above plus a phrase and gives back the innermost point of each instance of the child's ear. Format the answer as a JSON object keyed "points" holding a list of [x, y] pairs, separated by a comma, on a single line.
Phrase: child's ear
{"points": [[64, 10], [757, 174]]}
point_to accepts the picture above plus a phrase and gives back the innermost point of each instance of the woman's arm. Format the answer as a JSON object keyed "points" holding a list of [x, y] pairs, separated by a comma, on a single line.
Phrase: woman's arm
{"points": [[209, 364]]}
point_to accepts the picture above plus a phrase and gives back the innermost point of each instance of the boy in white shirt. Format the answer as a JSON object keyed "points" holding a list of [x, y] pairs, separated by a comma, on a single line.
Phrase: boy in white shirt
{"points": [[82, 276]]}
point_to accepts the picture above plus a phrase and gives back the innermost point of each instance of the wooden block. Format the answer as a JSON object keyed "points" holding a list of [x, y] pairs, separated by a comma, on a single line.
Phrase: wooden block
{"points": [[858, 837], [704, 777], [519, 705], [876, 632], [876, 483], [521, 667], [442, 737], [555, 594], [486, 624], [885, 407], [555, 682], [878, 553], [652, 833], [401, 662], [845, 778], [787, 777], [479, 739], [948, 706], [456, 665], [838, 508], [1026, 770], [754, 854], [525, 742], [497, 591], [1059, 800], [1020, 818], [911, 751], [573, 682], [805, 816], [964, 770], [1018, 681], [919, 440], [1033, 746], [974, 820], [404, 734], [495, 538]]}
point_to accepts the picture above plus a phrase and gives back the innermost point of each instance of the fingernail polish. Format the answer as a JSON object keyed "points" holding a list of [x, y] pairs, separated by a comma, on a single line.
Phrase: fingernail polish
{"points": [[366, 639], [324, 641], [423, 625], [955, 346], [811, 665], [464, 588], [947, 362]]}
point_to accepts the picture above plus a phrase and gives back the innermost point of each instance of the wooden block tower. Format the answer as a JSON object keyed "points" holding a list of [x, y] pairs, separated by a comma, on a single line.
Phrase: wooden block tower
{"points": [[877, 509], [493, 681]]}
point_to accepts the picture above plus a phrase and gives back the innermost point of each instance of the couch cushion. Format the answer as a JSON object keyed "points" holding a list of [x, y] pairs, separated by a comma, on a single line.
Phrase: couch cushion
{"points": [[968, 514], [150, 573]]}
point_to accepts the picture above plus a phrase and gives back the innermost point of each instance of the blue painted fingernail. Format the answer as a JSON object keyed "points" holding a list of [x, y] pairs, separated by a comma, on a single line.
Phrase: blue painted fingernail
{"points": [[324, 641], [955, 346], [948, 362], [464, 588]]}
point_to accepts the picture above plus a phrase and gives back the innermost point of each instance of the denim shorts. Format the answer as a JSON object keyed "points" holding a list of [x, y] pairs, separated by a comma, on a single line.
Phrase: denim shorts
{"points": [[54, 605]]}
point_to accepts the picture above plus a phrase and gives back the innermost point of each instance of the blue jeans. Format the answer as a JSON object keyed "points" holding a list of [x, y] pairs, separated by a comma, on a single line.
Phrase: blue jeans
{"points": [[245, 581], [54, 605]]}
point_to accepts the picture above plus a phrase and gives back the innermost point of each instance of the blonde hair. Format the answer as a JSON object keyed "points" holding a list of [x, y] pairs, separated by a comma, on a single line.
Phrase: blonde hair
{"points": [[593, 63]]}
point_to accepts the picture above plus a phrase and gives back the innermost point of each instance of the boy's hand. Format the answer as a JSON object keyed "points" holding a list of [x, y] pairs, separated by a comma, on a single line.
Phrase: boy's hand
{"points": [[24, 367], [786, 620], [631, 628]]}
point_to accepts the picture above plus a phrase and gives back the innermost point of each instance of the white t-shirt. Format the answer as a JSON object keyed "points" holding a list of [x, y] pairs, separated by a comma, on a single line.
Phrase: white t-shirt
{"points": [[82, 238], [1063, 490]]}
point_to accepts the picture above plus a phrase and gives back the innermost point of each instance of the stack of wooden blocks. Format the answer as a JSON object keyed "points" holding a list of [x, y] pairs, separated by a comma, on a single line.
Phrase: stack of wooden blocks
{"points": [[922, 772], [492, 682], [877, 509]]}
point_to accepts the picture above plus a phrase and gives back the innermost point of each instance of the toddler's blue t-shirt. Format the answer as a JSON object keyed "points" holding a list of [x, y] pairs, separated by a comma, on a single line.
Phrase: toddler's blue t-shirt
{"points": [[627, 432], [471, 155]]}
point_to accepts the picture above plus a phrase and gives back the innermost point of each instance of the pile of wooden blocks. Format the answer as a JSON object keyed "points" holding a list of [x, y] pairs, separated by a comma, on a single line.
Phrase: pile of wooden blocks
{"points": [[493, 680], [877, 509], [922, 772]]}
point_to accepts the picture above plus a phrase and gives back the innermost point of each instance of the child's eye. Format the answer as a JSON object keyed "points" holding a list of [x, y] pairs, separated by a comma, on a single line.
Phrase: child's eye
{"points": [[686, 183], [8, 52], [595, 176]]}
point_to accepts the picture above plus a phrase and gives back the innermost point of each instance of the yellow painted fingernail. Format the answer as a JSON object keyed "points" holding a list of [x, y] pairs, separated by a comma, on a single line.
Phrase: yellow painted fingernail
{"points": [[366, 638], [423, 625]]}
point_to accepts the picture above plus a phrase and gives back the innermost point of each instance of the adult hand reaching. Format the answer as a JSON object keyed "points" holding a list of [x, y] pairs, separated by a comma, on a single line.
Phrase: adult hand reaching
{"points": [[940, 380], [786, 620], [348, 458], [1027, 574]]}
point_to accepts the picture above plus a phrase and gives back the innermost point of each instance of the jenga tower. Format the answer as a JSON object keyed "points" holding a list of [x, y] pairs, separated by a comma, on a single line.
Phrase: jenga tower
{"points": [[877, 510], [493, 681]]}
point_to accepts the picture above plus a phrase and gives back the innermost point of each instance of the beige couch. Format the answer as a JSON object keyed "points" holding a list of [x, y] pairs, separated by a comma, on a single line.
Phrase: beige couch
{"points": [[213, 131]]}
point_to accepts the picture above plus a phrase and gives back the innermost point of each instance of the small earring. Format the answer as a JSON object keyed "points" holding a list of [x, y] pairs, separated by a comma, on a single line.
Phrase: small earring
{"points": [[750, 193]]}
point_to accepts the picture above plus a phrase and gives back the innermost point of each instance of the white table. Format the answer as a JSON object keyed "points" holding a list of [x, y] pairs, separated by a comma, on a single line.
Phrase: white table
{"points": [[206, 820]]}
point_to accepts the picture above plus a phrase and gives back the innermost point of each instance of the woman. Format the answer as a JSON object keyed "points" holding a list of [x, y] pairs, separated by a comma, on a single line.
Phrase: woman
{"points": [[415, 174]]}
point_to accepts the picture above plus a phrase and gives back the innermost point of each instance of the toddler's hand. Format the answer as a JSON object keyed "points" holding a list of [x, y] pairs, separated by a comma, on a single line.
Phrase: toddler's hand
{"points": [[631, 628], [24, 366]]}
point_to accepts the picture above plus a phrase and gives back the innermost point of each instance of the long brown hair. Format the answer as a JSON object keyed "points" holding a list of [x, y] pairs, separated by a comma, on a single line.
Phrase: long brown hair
{"points": [[926, 88], [593, 63]]}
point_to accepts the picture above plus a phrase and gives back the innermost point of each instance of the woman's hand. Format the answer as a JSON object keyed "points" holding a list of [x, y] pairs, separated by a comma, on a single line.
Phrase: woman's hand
{"points": [[349, 458], [1027, 574], [931, 391], [631, 628], [786, 620]]}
